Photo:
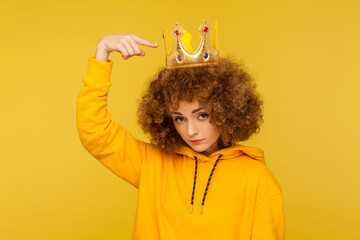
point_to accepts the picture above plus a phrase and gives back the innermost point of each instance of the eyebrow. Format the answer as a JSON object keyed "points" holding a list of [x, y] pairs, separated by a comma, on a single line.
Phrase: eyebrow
{"points": [[194, 111]]}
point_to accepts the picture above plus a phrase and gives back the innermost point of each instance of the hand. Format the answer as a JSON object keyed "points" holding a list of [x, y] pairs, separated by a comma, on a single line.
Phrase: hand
{"points": [[126, 44]]}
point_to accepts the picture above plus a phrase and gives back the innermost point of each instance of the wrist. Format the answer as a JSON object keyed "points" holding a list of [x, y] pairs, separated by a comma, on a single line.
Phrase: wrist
{"points": [[101, 54]]}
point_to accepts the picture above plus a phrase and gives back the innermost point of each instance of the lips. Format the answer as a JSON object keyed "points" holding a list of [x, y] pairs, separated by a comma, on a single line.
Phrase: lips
{"points": [[196, 141]]}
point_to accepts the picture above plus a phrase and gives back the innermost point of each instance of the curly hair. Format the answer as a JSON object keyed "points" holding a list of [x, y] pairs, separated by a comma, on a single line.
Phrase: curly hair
{"points": [[224, 89]]}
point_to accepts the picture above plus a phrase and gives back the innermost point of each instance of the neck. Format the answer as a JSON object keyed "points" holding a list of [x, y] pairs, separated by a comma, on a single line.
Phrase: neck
{"points": [[213, 148]]}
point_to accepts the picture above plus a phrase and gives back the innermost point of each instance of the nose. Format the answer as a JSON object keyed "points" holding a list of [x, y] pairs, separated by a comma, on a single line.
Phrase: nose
{"points": [[192, 128]]}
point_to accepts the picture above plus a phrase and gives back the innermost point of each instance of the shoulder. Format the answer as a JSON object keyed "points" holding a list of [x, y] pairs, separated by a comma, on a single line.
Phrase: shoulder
{"points": [[155, 153], [261, 176]]}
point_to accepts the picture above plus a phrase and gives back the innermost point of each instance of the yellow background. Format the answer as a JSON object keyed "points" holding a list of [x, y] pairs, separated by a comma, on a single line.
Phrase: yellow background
{"points": [[304, 54]]}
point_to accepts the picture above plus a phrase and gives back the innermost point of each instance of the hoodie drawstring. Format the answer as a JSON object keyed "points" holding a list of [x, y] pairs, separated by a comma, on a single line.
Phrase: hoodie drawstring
{"points": [[207, 186]]}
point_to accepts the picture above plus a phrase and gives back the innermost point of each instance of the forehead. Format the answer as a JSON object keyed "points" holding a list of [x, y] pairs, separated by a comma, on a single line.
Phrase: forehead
{"points": [[187, 107]]}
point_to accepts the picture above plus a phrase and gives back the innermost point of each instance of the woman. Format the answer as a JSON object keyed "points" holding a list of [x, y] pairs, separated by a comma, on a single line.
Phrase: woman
{"points": [[193, 181]]}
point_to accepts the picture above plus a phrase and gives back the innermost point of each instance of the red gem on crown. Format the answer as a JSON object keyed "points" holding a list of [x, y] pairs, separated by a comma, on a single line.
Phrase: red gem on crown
{"points": [[206, 29], [177, 32]]}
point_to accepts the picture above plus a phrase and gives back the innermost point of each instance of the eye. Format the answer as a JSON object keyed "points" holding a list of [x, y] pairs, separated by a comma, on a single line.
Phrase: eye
{"points": [[179, 119], [203, 116]]}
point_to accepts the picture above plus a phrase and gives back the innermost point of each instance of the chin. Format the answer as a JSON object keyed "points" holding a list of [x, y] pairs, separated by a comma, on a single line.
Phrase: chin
{"points": [[201, 148], [198, 148]]}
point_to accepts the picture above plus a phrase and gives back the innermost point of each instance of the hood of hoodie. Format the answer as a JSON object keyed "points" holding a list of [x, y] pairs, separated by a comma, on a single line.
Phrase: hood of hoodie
{"points": [[227, 153]]}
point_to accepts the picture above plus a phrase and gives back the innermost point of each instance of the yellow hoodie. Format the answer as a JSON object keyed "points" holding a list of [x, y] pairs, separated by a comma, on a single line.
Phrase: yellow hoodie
{"points": [[243, 200]]}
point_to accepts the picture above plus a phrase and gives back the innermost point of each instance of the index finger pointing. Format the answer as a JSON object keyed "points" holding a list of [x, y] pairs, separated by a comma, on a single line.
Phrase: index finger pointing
{"points": [[144, 42]]}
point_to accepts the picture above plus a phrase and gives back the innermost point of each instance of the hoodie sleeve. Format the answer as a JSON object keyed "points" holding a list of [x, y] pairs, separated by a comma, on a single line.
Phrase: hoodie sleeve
{"points": [[268, 220], [104, 139]]}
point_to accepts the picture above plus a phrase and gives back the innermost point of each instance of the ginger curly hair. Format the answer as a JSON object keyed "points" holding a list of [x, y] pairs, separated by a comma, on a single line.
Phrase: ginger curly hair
{"points": [[224, 89]]}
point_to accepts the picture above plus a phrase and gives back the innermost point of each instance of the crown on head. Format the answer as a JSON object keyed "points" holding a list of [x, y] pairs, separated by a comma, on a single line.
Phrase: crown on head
{"points": [[180, 53]]}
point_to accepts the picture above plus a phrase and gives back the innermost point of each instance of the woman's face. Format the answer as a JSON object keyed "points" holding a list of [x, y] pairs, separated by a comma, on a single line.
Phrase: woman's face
{"points": [[192, 122]]}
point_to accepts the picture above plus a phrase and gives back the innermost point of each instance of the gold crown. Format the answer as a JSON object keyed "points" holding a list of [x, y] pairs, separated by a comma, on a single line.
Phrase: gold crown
{"points": [[179, 51]]}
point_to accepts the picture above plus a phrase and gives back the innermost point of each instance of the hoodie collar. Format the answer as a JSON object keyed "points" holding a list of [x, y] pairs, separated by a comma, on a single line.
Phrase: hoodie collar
{"points": [[222, 154], [227, 153]]}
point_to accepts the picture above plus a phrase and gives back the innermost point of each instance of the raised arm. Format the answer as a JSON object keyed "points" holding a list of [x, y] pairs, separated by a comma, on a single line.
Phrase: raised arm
{"points": [[108, 142]]}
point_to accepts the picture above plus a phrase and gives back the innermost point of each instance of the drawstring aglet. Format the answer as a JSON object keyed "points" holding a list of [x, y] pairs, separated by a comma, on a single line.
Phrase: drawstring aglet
{"points": [[191, 208]]}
